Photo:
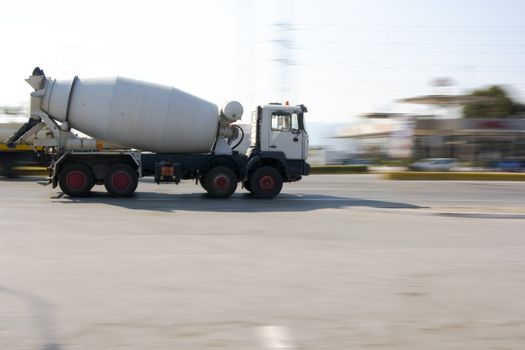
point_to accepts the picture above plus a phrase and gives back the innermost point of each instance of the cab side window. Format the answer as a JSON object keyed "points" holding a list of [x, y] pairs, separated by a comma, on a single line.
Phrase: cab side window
{"points": [[281, 121]]}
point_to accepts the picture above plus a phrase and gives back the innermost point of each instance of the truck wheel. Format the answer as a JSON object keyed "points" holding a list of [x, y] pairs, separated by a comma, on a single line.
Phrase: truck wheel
{"points": [[220, 182], [121, 180], [266, 182], [76, 180], [247, 186], [202, 181]]}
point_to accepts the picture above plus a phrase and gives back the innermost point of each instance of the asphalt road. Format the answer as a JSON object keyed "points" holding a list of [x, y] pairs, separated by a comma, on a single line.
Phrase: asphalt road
{"points": [[335, 262]]}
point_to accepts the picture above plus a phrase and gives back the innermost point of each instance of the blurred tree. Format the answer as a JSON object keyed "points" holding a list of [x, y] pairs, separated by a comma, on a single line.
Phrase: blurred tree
{"points": [[501, 106]]}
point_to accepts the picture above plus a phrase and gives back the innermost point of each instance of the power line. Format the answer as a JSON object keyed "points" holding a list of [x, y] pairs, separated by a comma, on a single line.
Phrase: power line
{"points": [[411, 67], [400, 43], [442, 29], [426, 25], [361, 50]]}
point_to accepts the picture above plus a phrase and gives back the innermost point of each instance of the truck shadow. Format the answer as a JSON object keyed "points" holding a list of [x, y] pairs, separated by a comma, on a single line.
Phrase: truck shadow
{"points": [[239, 202]]}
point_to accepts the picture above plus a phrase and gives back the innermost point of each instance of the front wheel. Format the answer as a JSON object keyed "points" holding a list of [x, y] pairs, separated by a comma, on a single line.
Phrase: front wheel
{"points": [[121, 180], [76, 180], [220, 182], [266, 182], [202, 181]]}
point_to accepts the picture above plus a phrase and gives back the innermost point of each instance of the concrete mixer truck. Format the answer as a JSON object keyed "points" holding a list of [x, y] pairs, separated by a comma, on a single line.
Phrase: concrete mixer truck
{"points": [[161, 132]]}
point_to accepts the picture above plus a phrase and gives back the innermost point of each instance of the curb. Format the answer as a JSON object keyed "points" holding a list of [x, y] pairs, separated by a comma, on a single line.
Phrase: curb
{"points": [[454, 176]]}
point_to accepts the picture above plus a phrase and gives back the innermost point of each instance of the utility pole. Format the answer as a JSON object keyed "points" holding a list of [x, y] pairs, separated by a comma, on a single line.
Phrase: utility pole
{"points": [[284, 60]]}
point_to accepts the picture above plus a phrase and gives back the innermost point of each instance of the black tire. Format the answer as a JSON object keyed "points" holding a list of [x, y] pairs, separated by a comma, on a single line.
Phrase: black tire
{"points": [[266, 182], [121, 180], [220, 182], [247, 186], [76, 180], [202, 182]]}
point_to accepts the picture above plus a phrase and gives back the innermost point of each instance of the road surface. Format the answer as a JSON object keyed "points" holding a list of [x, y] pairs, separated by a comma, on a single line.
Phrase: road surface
{"points": [[335, 262]]}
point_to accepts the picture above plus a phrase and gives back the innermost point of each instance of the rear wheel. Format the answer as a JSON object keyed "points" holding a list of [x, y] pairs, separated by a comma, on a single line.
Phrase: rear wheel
{"points": [[202, 181], [121, 180], [266, 182], [76, 180], [220, 182]]}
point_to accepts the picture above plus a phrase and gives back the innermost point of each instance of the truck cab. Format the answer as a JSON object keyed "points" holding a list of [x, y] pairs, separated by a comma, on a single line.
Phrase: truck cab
{"points": [[279, 140], [282, 130]]}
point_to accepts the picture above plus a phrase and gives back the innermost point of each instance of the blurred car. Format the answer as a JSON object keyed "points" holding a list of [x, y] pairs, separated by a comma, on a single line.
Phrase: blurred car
{"points": [[22, 155], [509, 165], [433, 164]]}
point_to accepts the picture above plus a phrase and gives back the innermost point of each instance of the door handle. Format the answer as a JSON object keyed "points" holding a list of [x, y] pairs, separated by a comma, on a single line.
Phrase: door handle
{"points": [[273, 146]]}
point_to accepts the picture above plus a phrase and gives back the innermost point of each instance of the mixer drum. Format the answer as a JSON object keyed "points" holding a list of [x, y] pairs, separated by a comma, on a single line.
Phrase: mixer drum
{"points": [[134, 114]]}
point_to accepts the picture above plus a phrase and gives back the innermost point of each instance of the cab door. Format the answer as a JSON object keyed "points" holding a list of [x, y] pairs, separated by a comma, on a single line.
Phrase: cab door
{"points": [[286, 134]]}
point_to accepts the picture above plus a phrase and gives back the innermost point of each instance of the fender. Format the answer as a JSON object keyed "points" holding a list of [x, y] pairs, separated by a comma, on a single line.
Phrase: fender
{"points": [[234, 163], [277, 156], [254, 160]]}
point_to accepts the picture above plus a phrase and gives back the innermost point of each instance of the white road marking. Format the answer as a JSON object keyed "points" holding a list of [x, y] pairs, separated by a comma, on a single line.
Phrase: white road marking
{"points": [[275, 338]]}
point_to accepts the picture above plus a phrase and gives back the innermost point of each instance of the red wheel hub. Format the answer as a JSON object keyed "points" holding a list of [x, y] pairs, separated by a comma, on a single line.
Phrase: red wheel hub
{"points": [[267, 183], [76, 179], [221, 182], [120, 180]]}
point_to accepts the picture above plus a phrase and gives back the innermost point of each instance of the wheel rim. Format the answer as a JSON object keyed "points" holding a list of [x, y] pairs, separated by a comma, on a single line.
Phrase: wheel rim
{"points": [[267, 183], [76, 180], [120, 180], [221, 182]]}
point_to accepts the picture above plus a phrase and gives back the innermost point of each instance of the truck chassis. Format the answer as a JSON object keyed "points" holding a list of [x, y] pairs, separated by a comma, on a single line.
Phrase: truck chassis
{"points": [[261, 173]]}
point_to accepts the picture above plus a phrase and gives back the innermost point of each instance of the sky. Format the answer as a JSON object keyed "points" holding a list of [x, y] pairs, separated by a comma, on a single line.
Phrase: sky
{"points": [[339, 58]]}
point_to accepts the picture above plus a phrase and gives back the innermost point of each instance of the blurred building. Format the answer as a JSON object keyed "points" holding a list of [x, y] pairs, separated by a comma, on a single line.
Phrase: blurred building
{"points": [[469, 139], [404, 136], [408, 136], [381, 136], [323, 156]]}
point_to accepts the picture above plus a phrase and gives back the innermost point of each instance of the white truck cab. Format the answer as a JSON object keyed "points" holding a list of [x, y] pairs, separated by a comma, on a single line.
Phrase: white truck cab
{"points": [[281, 129], [279, 141]]}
